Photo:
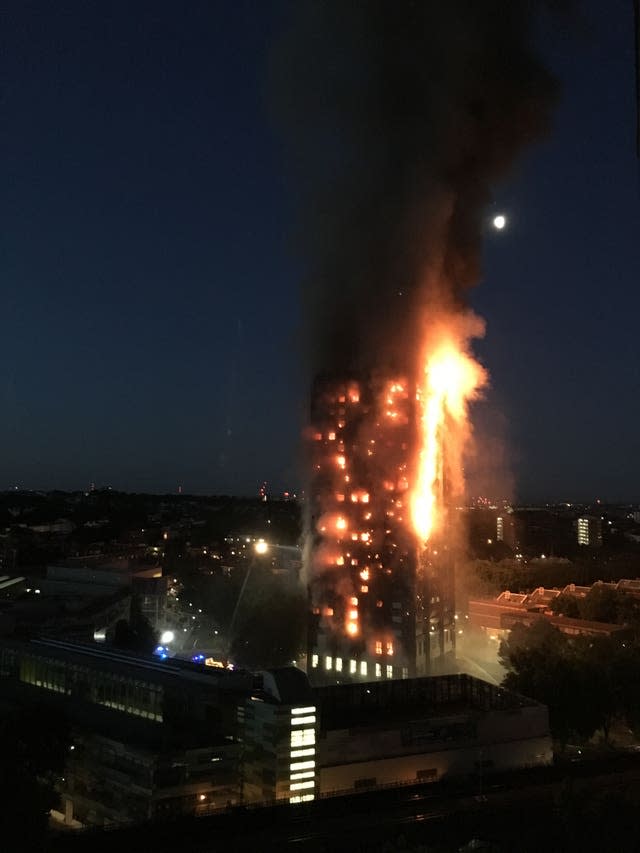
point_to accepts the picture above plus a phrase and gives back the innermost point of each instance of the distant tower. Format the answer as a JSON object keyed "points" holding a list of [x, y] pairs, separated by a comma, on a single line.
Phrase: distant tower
{"points": [[380, 609]]}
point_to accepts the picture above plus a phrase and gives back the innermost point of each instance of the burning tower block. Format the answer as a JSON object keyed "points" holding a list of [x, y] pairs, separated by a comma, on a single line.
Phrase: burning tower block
{"points": [[382, 603]]}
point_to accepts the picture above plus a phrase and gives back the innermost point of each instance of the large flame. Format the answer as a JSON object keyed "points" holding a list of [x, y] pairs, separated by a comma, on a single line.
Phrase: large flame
{"points": [[449, 379]]}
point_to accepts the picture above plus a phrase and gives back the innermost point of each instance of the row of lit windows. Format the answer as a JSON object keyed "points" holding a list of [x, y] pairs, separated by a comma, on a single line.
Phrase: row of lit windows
{"points": [[119, 692], [354, 668], [302, 767]]}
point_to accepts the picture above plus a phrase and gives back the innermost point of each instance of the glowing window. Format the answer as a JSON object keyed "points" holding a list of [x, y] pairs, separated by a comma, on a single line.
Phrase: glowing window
{"points": [[378, 671], [302, 721], [309, 709], [353, 667], [353, 601], [308, 774], [389, 648], [328, 662], [314, 661], [302, 765], [303, 737], [338, 664], [302, 753], [364, 588], [363, 667], [378, 647], [300, 786], [389, 671]]}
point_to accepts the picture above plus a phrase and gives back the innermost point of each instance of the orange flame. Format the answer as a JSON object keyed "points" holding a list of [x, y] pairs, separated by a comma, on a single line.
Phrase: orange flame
{"points": [[451, 379]]}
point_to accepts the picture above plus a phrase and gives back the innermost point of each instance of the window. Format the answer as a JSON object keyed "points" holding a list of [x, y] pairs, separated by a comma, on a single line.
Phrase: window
{"points": [[378, 647]]}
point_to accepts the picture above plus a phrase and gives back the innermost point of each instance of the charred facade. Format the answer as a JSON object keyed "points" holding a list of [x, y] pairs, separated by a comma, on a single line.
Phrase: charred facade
{"points": [[381, 606]]}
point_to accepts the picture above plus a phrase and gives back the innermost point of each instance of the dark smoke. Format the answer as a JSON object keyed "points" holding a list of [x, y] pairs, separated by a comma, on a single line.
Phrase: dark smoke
{"points": [[404, 115]]}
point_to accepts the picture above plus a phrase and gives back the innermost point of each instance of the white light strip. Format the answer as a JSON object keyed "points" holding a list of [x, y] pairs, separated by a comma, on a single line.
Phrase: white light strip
{"points": [[303, 721], [302, 798], [308, 774], [304, 737], [310, 710], [302, 753], [300, 786], [302, 765]]}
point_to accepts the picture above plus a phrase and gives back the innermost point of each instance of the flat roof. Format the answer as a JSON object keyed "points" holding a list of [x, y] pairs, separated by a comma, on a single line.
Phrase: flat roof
{"points": [[167, 673]]}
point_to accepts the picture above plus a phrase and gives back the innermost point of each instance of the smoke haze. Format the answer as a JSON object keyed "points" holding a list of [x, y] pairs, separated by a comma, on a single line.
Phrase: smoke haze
{"points": [[403, 115]]}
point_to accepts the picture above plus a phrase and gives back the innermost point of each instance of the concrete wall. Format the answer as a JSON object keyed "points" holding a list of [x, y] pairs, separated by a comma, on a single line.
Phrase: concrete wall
{"points": [[431, 766]]}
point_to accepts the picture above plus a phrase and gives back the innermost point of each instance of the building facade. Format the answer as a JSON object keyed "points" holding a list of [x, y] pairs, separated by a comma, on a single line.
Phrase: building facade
{"points": [[381, 607]]}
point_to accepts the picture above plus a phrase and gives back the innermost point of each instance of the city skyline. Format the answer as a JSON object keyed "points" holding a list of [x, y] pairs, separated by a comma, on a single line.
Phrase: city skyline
{"points": [[149, 192]]}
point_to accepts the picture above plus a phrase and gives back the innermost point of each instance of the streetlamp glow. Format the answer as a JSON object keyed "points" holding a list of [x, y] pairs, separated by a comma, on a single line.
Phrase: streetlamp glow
{"points": [[499, 221], [261, 547], [167, 637]]}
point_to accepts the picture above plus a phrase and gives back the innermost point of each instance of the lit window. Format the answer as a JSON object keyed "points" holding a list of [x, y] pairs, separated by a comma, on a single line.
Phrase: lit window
{"points": [[300, 786], [389, 648], [353, 601], [353, 667], [338, 664], [378, 671], [302, 721], [304, 737], [302, 765], [378, 647], [328, 662], [314, 661], [363, 667], [364, 588], [389, 671], [308, 774], [302, 753], [308, 709]]}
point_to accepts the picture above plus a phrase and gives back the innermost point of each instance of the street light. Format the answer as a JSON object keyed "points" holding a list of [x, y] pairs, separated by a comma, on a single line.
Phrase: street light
{"points": [[261, 547]]}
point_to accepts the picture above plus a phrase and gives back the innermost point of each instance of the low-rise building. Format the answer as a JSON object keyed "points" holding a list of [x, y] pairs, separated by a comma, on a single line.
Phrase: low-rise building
{"points": [[424, 729]]}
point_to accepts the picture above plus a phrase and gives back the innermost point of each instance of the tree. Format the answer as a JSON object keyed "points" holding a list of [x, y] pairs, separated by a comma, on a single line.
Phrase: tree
{"points": [[567, 605], [573, 677], [270, 628], [136, 635]]}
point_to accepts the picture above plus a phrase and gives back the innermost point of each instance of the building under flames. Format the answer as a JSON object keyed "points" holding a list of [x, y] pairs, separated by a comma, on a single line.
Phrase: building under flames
{"points": [[382, 603]]}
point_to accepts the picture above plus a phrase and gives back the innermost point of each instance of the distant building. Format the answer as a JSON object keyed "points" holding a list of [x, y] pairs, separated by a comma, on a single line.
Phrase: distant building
{"points": [[589, 531]]}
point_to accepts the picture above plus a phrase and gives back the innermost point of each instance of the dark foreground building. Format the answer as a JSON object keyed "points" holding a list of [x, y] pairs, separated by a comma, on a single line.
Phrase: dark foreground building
{"points": [[156, 739]]}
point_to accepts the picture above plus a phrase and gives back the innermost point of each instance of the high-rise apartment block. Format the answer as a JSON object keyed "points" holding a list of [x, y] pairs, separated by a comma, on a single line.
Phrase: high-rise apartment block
{"points": [[382, 607]]}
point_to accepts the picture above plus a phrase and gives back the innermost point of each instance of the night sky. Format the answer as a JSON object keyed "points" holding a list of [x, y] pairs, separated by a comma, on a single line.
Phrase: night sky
{"points": [[151, 328]]}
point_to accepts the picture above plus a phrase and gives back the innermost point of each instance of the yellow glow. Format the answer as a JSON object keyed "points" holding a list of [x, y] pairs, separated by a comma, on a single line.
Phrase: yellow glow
{"points": [[352, 629], [450, 379], [261, 547]]}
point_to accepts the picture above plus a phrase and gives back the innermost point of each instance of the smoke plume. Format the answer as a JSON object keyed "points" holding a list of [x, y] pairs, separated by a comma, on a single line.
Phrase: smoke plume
{"points": [[404, 114]]}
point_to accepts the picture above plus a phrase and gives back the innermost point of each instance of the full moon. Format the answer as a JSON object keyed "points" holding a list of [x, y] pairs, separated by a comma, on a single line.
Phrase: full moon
{"points": [[499, 221]]}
